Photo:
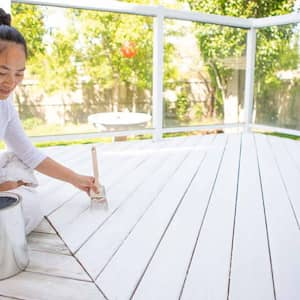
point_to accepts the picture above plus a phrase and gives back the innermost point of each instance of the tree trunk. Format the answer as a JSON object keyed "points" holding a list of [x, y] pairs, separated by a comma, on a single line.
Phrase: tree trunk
{"points": [[115, 95]]}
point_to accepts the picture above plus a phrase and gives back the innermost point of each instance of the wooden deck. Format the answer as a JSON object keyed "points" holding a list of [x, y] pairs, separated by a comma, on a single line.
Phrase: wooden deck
{"points": [[210, 218]]}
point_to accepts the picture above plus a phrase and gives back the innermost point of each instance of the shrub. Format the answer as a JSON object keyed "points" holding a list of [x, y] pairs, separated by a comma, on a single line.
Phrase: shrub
{"points": [[31, 123]]}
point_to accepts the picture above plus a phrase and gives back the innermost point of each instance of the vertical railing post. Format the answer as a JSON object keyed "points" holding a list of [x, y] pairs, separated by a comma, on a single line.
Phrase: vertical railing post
{"points": [[5, 4], [249, 81], [158, 63]]}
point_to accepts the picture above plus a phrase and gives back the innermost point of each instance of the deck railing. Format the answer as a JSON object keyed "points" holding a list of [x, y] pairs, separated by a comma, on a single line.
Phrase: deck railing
{"points": [[159, 14]]}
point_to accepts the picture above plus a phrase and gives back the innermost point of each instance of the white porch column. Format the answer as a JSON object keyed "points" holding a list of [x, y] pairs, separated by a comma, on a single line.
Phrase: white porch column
{"points": [[158, 61]]}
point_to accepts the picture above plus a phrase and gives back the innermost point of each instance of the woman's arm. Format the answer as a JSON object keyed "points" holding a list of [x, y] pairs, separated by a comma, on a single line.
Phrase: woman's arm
{"points": [[17, 140], [54, 169]]}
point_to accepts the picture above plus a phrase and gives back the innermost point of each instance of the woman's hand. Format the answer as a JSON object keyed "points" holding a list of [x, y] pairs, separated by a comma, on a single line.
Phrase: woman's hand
{"points": [[10, 185], [54, 169], [84, 183]]}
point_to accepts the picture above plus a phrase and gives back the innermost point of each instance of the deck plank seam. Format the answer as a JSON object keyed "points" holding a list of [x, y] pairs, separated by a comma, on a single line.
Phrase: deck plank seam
{"points": [[266, 220], [202, 222], [77, 260], [145, 211], [76, 193], [118, 207], [284, 184], [234, 221]]}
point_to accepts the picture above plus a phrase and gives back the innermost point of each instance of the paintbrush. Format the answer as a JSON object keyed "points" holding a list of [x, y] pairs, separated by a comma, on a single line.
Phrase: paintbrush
{"points": [[100, 195]]}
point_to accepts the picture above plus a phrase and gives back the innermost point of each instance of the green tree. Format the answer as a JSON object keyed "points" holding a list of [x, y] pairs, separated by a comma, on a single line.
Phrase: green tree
{"points": [[59, 72], [104, 35], [29, 20], [220, 43]]}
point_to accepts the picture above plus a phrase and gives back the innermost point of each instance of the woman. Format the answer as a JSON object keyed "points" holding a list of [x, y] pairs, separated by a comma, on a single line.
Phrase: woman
{"points": [[13, 54]]}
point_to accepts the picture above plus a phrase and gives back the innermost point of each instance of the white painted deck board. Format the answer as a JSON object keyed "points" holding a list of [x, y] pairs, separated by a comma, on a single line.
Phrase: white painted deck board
{"points": [[58, 193], [111, 235], [159, 239], [79, 231], [210, 262], [293, 148], [67, 157], [283, 230], [119, 166], [250, 270], [289, 172], [165, 275], [129, 263]]}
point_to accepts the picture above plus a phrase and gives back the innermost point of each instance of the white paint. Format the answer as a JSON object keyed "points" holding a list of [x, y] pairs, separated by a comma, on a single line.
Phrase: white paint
{"points": [[211, 261], [250, 269], [114, 232], [209, 267], [113, 170], [76, 233], [283, 230], [290, 172], [129, 263]]}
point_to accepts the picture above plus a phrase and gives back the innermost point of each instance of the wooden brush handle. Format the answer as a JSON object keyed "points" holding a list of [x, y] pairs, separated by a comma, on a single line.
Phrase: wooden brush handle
{"points": [[95, 165]]}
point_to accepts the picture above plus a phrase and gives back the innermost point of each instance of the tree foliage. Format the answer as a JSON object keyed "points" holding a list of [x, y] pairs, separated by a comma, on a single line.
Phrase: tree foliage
{"points": [[59, 72], [28, 19], [220, 42]]}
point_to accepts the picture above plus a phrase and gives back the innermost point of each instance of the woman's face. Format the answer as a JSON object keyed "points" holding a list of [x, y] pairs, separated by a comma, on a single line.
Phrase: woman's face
{"points": [[12, 67]]}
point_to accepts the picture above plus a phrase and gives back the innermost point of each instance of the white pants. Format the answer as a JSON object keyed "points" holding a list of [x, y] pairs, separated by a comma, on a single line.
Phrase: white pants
{"points": [[31, 207]]}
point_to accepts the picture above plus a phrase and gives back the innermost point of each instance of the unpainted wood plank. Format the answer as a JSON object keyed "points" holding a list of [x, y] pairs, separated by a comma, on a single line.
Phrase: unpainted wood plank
{"points": [[77, 232], [251, 276], [282, 227], [56, 265], [45, 227], [289, 172], [119, 166], [47, 242], [33, 286], [130, 262], [111, 235], [166, 273]]}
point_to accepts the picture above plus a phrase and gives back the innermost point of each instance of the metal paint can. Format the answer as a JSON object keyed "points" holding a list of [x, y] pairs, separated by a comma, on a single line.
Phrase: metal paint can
{"points": [[13, 245]]}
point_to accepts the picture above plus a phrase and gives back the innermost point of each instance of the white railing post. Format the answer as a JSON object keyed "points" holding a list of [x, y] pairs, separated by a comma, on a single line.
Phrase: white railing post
{"points": [[249, 81], [158, 63], [5, 4]]}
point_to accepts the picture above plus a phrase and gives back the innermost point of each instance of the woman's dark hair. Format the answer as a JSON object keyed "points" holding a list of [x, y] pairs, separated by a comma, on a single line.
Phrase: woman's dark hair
{"points": [[9, 33]]}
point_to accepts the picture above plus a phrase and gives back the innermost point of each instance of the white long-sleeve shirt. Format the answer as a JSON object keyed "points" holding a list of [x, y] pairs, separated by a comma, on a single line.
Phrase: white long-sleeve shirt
{"points": [[11, 131]]}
